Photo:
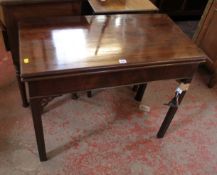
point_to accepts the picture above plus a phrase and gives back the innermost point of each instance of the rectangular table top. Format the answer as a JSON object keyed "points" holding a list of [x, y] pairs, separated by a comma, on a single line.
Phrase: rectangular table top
{"points": [[69, 45], [114, 6]]}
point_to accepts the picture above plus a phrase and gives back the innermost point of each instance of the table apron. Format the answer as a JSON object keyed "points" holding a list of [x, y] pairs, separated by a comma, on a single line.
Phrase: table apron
{"points": [[80, 82]]}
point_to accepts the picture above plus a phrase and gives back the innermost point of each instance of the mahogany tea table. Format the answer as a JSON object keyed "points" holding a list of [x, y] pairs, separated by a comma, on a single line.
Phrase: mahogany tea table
{"points": [[70, 54]]}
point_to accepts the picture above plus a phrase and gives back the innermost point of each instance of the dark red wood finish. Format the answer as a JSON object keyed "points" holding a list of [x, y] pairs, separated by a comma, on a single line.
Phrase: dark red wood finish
{"points": [[16, 10], [84, 53]]}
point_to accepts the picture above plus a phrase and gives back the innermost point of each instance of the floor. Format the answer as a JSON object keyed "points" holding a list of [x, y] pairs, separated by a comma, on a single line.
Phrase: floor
{"points": [[108, 134], [189, 27]]}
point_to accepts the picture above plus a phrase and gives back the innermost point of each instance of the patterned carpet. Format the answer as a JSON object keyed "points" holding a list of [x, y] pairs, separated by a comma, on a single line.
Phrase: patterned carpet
{"points": [[108, 134]]}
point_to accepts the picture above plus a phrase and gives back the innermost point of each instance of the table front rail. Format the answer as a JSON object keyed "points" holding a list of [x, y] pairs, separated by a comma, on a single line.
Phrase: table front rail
{"points": [[66, 84]]}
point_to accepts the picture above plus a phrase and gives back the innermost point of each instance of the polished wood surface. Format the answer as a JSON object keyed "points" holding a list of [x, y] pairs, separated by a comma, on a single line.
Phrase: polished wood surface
{"points": [[12, 11], [66, 55], [15, 10], [101, 42], [114, 6]]}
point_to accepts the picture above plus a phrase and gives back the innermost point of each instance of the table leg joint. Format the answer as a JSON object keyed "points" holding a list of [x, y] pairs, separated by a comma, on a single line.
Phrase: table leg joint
{"points": [[45, 100]]}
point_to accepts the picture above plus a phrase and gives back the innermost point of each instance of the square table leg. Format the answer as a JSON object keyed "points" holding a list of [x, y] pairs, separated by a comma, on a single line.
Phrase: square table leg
{"points": [[37, 108], [89, 94], [135, 88], [170, 114], [37, 105], [140, 92]]}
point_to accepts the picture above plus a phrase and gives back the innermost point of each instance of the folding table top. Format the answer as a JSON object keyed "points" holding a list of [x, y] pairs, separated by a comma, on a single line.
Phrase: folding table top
{"points": [[86, 43]]}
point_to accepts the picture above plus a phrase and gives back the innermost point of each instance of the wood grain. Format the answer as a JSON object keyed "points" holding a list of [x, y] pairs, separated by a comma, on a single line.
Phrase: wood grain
{"points": [[69, 54], [114, 6], [15, 10], [74, 44]]}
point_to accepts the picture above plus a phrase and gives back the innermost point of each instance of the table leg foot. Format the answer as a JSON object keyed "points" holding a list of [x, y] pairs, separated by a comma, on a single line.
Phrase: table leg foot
{"points": [[135, 88], [168, 119], [140, 92], [89, 94], [74, 96], [36, 108], [170, 114]]}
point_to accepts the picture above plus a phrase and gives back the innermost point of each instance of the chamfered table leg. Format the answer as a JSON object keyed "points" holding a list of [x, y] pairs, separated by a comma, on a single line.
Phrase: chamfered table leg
{"points": [[36, 108], [170, 114], [140, 92]]}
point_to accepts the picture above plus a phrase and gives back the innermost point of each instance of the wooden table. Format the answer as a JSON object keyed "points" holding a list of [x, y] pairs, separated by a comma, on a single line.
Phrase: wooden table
{"points": [[62, 55], [12, 11], [122, 6]]}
